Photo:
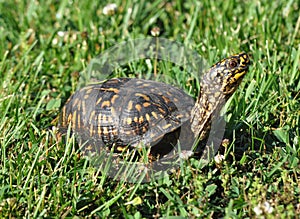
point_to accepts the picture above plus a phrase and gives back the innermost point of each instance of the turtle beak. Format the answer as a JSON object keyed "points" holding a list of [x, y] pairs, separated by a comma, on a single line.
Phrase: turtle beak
{"points": [[244, 61], [239, 75]]}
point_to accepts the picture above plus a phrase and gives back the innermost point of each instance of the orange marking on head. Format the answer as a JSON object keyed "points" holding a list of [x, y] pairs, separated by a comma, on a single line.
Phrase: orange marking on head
{"points": [[242, 59], [120, 148]]}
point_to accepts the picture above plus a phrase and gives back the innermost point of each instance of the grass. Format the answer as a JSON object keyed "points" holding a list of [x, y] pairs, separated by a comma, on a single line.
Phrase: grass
{"points": [[45, 45]]}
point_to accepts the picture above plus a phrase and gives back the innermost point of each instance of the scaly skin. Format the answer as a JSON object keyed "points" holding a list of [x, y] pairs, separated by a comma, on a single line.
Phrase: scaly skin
{"points": [[217, 86]]}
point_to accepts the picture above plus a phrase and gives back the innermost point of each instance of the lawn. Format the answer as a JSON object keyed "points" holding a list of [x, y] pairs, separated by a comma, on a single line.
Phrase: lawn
{"points": [[47, 46]]}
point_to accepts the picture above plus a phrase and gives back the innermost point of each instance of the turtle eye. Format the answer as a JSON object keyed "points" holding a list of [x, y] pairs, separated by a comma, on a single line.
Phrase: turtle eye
{"points": [[232, 63]]}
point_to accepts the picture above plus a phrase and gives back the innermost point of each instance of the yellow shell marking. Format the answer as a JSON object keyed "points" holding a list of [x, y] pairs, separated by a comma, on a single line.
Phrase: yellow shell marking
{"points": [[113, 99], [147, 117], [141, 119], [154, 114], [74, 119], [138, 107], [146, 104], [105, 104], [91, 130], [130, 105], [145, 97], [129, 121]]}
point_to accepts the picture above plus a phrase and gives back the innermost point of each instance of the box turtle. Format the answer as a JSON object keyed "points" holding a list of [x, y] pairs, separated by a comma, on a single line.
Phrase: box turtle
{"points": [[122, 113]]}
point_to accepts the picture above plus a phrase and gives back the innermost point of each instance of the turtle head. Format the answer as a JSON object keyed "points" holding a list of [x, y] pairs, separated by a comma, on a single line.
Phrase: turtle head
{"points": [[217, 85], [226, 75]]}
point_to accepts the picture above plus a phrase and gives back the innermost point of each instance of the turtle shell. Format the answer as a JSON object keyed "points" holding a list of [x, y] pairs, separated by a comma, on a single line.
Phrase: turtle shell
{"points": [[125, 111]]}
